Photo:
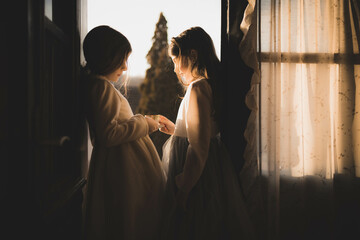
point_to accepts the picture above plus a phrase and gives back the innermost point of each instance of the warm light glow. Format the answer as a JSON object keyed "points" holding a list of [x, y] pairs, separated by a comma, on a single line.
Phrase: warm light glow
{"points": [[136, 19], [300, 114]]}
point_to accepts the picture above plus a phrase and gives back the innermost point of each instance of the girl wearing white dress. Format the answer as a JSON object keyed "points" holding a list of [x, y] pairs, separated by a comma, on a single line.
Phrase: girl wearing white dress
{"points": [[203, 196], [125, 179]]}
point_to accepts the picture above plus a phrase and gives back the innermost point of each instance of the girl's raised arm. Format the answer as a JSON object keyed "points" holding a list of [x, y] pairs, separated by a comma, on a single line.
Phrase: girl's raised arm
{"points": [[109, 130]]}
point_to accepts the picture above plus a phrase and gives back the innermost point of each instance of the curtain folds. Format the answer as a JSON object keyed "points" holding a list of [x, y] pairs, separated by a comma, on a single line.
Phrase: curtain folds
{"points": [[247, 49], [250, 178], [304, 128]]}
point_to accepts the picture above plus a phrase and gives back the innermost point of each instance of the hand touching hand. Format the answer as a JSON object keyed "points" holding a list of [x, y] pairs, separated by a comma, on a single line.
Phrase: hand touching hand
{"points": [[168, 126]]}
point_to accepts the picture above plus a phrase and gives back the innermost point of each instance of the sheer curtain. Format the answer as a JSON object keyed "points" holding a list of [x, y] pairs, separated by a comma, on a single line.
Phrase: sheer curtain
{"points": [[309, 126], [308, 87]]}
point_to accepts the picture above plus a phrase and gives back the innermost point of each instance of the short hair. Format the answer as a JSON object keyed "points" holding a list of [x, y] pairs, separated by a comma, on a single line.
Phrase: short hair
{"points": [[105, 49]]}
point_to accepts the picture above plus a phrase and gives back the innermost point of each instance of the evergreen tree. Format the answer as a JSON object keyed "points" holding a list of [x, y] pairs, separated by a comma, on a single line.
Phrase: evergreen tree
{"points": [[161, 90]]}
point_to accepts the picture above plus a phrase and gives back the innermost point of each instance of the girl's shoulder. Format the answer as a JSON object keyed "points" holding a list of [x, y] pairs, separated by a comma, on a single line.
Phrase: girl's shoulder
{"points": [[201, 85], [98, 85]]}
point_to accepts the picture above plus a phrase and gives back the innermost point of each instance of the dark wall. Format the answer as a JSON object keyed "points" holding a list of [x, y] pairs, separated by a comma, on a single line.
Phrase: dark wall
{"points": [[14, 135], [39, 199]]}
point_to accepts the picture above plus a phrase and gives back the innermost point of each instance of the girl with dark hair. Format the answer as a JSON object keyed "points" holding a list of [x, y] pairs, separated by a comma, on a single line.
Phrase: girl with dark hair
{"points": [[125, 178], [203, 196]]}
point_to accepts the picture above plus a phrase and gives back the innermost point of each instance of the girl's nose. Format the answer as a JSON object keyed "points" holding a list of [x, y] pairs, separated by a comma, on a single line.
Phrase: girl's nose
{"points": [[176, 68]]}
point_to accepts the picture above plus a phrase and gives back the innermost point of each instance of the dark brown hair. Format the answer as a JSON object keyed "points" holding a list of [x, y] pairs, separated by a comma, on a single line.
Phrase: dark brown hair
{"points": [[206, 64], [105, 49]]}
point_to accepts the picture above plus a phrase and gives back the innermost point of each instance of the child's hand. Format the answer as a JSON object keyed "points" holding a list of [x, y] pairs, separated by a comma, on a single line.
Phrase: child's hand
{"points": [[153, 125], [168, 126]]}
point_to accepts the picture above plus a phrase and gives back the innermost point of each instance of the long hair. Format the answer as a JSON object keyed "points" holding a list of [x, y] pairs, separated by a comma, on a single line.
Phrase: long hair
{"points": [[206, 64], [105, 50]]}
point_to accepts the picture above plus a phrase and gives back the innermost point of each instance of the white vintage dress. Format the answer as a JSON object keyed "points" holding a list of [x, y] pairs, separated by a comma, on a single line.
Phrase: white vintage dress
{"points": [[125, 179], [196, 161]]}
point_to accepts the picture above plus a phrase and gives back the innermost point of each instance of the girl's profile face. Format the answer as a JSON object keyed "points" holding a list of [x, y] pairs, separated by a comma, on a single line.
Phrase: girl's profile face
{"points": [[183, 72], [114, 76]]}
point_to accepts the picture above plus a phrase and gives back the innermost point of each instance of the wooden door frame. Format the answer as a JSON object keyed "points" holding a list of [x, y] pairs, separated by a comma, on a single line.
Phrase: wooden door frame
{"points": [[21, 67]]}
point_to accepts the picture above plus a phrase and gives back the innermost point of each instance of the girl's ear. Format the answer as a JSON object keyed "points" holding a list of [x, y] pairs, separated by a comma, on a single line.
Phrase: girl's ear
{"points": [[193, 56]]}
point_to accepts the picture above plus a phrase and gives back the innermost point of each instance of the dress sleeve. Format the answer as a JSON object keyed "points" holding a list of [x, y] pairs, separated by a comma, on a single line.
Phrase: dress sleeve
{"points": [[198, 129], [109, 129]]}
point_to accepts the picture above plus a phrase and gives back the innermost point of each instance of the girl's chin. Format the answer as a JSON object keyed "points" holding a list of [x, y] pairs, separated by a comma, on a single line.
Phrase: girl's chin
{"points": [[184, 80]]}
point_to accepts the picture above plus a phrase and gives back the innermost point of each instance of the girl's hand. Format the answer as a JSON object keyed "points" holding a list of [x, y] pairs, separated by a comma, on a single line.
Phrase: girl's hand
{"points": [[153, 125], [168, 126]]}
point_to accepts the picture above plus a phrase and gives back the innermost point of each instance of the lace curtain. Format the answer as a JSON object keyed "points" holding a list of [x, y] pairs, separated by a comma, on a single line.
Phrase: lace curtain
{"points": [[305, 111]]}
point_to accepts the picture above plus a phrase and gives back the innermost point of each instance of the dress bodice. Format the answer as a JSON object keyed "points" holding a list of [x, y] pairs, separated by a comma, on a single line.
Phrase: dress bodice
{"points": [[181, 124]]}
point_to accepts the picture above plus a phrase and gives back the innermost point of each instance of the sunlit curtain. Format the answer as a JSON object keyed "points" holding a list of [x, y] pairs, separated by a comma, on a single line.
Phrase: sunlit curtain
{"points": [[308, 87], [308, 107]]}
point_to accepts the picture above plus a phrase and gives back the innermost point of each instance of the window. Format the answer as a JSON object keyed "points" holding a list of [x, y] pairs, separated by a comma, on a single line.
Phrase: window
{"points": [[309, 60]]}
